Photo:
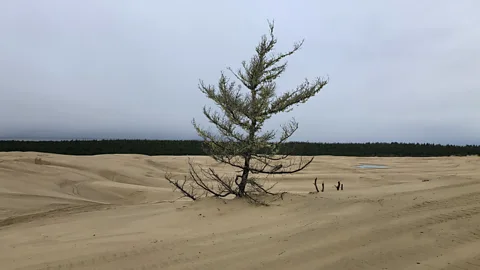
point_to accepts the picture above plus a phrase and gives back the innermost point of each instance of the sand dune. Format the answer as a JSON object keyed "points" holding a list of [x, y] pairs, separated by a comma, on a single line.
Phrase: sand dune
{"points": [[116, 212]]}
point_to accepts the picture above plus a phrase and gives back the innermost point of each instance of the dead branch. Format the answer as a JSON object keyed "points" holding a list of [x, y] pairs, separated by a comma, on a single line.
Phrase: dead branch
{"points": [[266, 167], [338, 186], [219, 188], [187, 190], [316, 186], [266, 164], [206, 181], [260, 188]]}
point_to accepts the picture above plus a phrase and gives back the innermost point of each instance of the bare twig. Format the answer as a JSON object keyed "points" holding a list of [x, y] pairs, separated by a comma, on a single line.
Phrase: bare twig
{"points": [[338, 186], [223, 187], [315, 184], [187, 190]]}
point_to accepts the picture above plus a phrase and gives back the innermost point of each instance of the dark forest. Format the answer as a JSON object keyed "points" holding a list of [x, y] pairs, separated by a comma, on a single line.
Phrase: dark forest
{"points": [[194, 147]]}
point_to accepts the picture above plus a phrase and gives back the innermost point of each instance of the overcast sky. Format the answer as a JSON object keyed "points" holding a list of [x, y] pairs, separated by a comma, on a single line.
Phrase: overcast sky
{"points": [[399, 70]]}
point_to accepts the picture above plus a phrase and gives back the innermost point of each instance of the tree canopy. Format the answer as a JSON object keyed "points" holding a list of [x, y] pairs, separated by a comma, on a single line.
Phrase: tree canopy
{"points": [[240, 140]]}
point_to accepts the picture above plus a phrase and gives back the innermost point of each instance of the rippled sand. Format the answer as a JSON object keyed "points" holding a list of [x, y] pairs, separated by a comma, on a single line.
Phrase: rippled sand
{"points": [[116, 212]]}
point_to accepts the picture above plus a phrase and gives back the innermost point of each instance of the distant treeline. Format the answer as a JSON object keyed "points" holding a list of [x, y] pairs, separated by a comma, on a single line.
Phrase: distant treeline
{"points": [[194, 147]]}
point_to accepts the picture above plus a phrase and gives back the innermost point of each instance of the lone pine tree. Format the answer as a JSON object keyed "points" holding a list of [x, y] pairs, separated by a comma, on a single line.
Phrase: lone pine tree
{"points": [[240, 141]]}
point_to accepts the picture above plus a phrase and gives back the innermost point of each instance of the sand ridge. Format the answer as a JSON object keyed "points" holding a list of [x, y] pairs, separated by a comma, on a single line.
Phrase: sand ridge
{"points": [[117, 212]]}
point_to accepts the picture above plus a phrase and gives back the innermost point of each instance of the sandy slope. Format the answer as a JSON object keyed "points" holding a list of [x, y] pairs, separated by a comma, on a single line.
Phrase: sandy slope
{"points": [[112, 212]]}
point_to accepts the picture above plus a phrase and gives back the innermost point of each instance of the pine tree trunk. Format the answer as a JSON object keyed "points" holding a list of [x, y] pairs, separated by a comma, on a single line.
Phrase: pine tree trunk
{"points": [[247, 156], [243, 183]]}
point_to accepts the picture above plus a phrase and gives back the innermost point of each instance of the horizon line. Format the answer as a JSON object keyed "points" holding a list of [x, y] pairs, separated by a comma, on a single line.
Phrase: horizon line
{"points": [[297, 141]]}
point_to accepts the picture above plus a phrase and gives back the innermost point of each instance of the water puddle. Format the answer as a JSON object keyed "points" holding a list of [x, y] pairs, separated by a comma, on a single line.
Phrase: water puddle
{"points": [[372, 166]]}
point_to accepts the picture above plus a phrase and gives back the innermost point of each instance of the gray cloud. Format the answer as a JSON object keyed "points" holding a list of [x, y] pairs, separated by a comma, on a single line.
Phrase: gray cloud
{"points": [[399, 70]]}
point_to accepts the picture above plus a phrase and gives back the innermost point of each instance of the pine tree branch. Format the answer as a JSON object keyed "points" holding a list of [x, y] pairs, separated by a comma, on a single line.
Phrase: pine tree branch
{"points": [[267, 167], [223, 124], [230, 160], [229, 99], [302, 93]]}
